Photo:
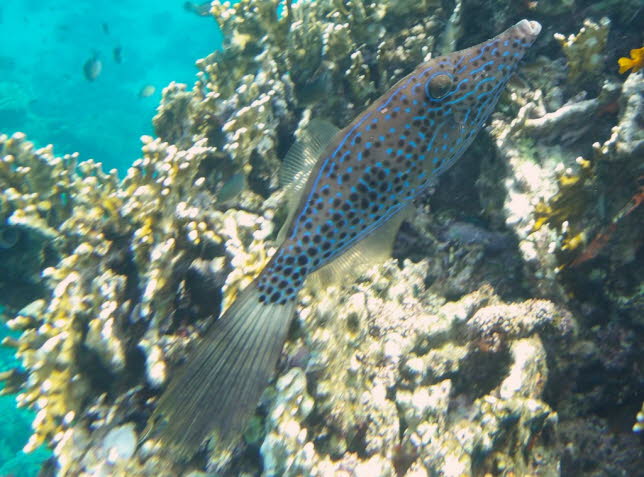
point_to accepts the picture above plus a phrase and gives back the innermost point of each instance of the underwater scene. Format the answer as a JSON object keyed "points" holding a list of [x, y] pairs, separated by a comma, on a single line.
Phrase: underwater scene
{"points": [[322, 238]]}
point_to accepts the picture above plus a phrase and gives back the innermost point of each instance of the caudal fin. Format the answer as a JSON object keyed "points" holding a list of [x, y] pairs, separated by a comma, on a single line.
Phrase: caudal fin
{"points": [[219, 386]]}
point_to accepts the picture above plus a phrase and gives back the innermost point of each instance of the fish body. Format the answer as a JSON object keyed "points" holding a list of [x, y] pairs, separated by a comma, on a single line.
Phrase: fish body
{"points": [[355, 197], [92, 68], [147, 91], [392, 152]]}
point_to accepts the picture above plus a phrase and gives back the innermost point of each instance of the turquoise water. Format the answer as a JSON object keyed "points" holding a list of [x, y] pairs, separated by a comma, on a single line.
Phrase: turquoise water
{"points": [[15, 425], [43, 89]]}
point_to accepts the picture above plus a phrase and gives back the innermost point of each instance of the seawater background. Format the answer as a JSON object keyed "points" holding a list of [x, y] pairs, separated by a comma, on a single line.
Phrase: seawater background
{"points": [[44, 93], [15, 426]]}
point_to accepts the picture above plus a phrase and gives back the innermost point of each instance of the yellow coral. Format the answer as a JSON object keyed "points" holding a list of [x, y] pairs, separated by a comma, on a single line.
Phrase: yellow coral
{"points": [[635, 62], [564, 210]]}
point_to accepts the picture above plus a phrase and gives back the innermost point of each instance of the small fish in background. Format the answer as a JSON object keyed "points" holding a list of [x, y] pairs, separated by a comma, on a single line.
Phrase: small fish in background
{"points": [[106, 28], [117, 54], [147, 91], [200, 9], [92, 68], [466, 233], [635, 62], [232, 188]]}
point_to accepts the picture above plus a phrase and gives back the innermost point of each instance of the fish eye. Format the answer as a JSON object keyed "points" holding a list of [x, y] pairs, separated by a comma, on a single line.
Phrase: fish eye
{"points": [[438, 86]]}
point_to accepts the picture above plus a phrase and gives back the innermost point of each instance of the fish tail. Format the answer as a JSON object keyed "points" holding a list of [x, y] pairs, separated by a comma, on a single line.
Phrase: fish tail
{"points": [[223, 378]]}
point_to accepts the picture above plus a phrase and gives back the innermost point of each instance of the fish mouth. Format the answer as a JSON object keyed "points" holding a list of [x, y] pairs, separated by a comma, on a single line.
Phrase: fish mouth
{"points": [[529, 28]]}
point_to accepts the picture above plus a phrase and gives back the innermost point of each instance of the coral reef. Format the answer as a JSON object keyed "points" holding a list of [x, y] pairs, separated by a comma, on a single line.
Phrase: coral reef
{"points": [[557, 166], [639, 420], [454, 359], [571, 191], [584, 50], [387, 363], [133, 266]]}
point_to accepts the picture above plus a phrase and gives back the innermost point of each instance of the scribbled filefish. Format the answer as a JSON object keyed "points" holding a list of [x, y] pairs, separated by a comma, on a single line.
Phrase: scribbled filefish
{"points": [[360, 189]]}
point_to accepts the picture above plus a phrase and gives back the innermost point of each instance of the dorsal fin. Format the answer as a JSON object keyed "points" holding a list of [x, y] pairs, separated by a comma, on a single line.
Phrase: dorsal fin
{"points": [[305, 152], [299, 162], [374, 249]]}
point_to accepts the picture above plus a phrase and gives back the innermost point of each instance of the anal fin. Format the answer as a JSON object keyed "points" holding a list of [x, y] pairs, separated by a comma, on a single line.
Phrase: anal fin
{"points": [[373, 249]]}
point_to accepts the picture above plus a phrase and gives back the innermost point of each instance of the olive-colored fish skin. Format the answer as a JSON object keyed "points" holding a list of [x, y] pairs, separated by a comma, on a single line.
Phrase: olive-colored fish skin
{"points": [[391, 153], [362, 183]]}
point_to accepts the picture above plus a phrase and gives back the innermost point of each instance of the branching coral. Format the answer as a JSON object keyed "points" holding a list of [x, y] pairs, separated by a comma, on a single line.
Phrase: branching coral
{"points": [[131, 256], [585, 50], [246, 97], [38, 192]]}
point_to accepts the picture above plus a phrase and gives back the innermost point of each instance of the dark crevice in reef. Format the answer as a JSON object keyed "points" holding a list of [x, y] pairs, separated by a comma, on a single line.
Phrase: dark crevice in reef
{"points": [[97, 373], [259, 180], [120, 260], [23, 257], [460, 229], [482, 372], [199, 295], [210, 170]]}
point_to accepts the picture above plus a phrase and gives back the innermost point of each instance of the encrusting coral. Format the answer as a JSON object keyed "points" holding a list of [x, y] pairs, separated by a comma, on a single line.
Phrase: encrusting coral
{"points": [[391, 359], [399, 373]]}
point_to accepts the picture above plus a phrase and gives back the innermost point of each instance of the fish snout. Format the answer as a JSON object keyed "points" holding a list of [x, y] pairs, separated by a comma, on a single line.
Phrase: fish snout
{"points": [[528, 28]]}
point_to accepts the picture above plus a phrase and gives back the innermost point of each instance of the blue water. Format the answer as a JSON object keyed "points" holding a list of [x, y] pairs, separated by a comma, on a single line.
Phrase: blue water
{"points": [[15, 425], [44, 93]]}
